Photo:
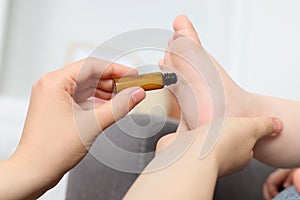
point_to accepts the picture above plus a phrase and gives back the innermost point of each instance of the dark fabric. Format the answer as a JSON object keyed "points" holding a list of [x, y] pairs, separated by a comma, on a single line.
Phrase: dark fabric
{"points": [[137, 133]]}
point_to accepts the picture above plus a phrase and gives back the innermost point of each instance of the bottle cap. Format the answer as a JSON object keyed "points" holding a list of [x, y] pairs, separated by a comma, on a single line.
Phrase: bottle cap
{"points": [[169, 78]]}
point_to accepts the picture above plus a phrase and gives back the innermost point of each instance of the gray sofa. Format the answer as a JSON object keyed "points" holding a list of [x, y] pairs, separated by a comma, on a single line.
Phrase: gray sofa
{"points": [[91, 179]]}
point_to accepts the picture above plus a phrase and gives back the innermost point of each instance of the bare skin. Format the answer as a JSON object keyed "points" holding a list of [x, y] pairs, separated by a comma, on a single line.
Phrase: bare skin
{"points": [[182, 178], [281, 179], [64, 95], [238, 102], [62, 124]]}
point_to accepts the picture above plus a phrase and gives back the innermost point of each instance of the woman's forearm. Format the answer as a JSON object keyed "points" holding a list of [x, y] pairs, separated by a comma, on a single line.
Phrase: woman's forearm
{"points": [[184, 179], [21, 180], [16, 183], [177, 172]]}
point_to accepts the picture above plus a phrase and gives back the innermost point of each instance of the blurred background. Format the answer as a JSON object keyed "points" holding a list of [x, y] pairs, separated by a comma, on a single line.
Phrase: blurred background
{"points": [[257, 42]]}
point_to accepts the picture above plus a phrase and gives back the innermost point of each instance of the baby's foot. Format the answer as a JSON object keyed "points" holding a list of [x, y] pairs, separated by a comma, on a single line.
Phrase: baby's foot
{"points": [[204, 90]]}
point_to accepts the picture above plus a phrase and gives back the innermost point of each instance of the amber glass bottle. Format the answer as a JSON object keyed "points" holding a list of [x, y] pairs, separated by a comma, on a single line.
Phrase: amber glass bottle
{"points": [[150, 81]]}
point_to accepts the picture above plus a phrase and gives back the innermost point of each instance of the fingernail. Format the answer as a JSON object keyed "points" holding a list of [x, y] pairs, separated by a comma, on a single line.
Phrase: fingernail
{"points": [[138, 95], [277, 125]]}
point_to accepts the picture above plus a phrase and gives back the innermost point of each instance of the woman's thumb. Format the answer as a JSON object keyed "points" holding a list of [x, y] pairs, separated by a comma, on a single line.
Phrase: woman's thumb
{"points": [[118, 106], [265, 126]]}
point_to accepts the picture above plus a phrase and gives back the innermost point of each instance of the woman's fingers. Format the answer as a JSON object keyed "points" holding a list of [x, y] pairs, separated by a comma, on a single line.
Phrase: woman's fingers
{"points": [[93, 67], [94, 82], [85, 71], [91, 92]]}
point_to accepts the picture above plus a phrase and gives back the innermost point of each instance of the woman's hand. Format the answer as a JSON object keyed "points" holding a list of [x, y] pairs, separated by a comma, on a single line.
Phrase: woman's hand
{"points": [[181, 170], [233, 149], [63, 122]]}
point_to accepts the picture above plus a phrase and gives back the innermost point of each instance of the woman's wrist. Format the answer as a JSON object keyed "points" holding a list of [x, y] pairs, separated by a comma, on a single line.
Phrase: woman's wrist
{"points": [[14, 176], [188, 178], [30, 180], [206, 174], [196, 171]]}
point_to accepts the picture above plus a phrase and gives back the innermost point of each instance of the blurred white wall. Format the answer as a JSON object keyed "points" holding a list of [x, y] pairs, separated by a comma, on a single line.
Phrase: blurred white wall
{"points": [[3, 23], [269, 57], [256, 42], [39, 32]]}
